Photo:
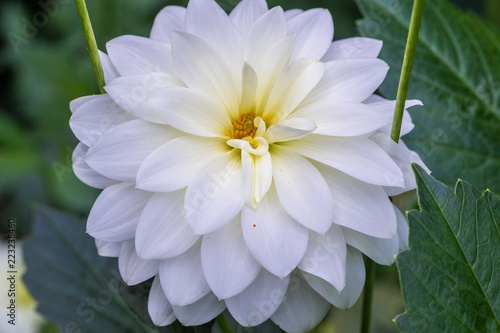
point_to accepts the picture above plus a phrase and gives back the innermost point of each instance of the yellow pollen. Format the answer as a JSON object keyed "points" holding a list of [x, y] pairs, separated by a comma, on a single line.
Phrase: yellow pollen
{"points": [[244, 127]]}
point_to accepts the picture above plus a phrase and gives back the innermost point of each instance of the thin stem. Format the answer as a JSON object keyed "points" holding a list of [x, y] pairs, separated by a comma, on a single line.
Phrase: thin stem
{"points": [[368, 296], [411, 44], [88, 33], [224, 324]]}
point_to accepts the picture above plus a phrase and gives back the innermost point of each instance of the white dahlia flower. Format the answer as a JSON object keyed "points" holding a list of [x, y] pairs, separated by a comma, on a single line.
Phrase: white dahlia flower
{"points": [[245, 162]]}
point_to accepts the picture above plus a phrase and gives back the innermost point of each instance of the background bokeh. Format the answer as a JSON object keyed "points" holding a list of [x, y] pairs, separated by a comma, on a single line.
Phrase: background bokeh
{"points": [[44, 65]]}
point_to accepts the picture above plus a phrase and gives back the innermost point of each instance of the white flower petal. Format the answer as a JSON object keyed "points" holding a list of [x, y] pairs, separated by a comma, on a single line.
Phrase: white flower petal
{"points": [[261, 149], [108, 249], [352, 290], [349, 80], [276, 240], [259, 301], [205, 19], [168, 19], [302, 308], [116, 212], [356, 47], [302, 190], [314, 29], [387, 107], [163, 230], [139, 55], [173, 165], [295, 83], [402, 230], [246, 13], [121, 150], [110, 72], [203, 70], [403, 157], [200, 312], [77, 102], [182, 277], [380, 250], [359, 157], [95, 117], [291, 13], [133, 269], [228, 265], [134, 92], [85, 173], [290, 129], [190, 112], [159, 308], [256, 177], [213, 198], [326, 257], [249, 85], [358, 205], [335, 118]]}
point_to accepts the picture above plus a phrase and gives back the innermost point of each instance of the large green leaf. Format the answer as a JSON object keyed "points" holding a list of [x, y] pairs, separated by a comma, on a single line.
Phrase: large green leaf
{"points": [[456, 74], [75, 287], [450, 277]]}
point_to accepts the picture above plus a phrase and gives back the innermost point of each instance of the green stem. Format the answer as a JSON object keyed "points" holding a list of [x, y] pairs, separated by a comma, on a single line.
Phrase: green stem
{"points": [[88, 33], [224, 324], [368, 296], [411, 44]]}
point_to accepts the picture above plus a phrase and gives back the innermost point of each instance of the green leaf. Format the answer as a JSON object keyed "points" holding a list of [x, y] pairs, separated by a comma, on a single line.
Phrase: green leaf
{"points": [[450, 276], [456, 74], [75, 287]]}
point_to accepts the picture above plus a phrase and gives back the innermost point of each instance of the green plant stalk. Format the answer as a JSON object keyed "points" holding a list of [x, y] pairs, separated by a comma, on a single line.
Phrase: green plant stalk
{"points": [[368, 296], [411, 45], [88, 33], [224, 324]]}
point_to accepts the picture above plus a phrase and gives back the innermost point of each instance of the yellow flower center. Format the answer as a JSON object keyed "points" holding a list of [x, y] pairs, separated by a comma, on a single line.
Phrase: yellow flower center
{"points": [[244, 128]]}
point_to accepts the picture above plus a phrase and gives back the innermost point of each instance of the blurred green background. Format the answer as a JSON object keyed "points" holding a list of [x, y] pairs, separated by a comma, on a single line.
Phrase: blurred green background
{"points": [[44, 65]]}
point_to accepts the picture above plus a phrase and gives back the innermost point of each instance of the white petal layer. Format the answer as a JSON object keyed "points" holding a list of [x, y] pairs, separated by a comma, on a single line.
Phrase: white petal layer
{"points": [[139, 55], [290, 129], [108, 249], [174, 165], [359, 157], [168, 19], [116, 212], [358, 205], [85, 173], [76, 103], [133, 269], [189, 111], [326, 257], [302, 308], [246, 13], [214, 198], [350, 294], [159, 308], [402, 230], [182, 277], [403, 158], [95, 117], [163, 230], [349, 80], [110, 72], [380, 250], [228, 265], [203, 70], [302, 190], [259, 301], [199, 312], [356, 47], [276, 240], [123, 148], [335, 118], [314, 29]]}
